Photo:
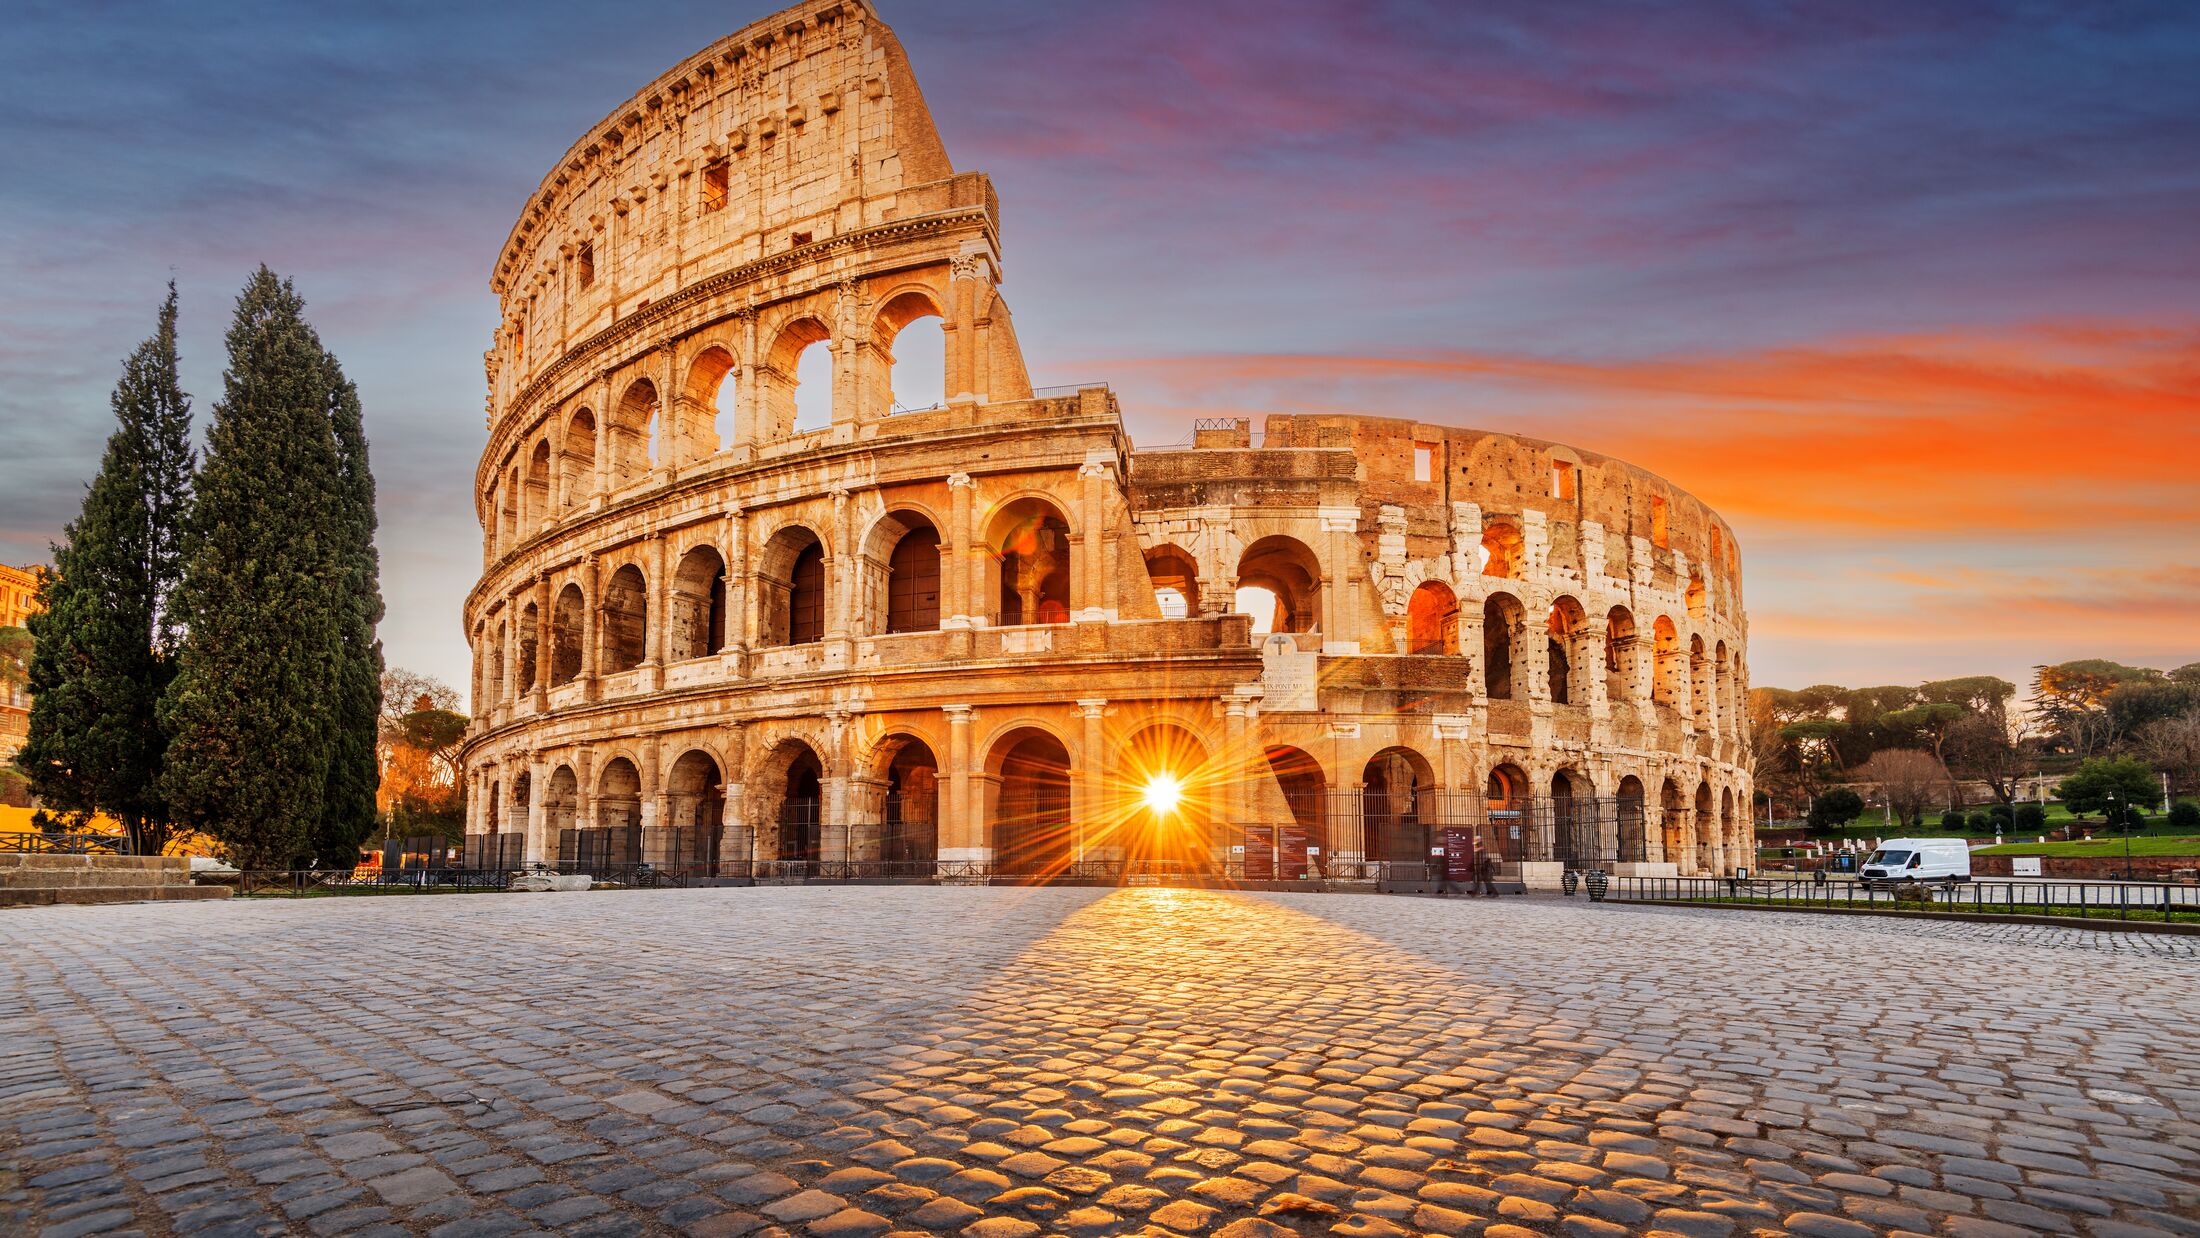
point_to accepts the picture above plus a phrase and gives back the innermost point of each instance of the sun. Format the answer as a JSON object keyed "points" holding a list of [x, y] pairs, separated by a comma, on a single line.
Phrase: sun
{"points": [[1162, 794]]}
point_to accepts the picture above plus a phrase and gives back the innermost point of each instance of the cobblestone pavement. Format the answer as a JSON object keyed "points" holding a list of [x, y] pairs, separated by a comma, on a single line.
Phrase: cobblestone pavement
{"points": [[1010, 1063]]}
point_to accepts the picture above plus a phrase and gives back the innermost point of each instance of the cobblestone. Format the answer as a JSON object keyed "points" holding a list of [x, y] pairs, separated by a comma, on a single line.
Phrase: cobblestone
{"points": [[1011, 1063]]}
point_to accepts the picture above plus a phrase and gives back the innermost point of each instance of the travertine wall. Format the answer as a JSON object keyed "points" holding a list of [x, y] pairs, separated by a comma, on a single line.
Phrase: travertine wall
{"points": [[693, 614]]}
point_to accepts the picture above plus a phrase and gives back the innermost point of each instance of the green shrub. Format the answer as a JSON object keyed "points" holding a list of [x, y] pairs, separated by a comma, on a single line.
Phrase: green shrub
{"points": [[2031, 818], [1834, 809], [1984, 822], [2002, 813], [2185, 815], [1951, 821]]}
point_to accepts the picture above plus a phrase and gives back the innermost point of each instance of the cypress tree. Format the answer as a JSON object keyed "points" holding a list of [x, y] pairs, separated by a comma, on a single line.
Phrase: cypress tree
{"points": [[104, 632], [263, 598], [356, 688]]}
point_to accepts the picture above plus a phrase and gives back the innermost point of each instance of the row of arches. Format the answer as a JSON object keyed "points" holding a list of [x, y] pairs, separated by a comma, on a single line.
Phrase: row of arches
{"points": [[1576, 654], [797, 389], [897, 578]]}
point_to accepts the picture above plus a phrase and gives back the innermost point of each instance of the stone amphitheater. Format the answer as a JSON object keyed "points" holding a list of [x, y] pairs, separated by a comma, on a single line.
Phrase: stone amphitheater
{"points": [[745, 613]]}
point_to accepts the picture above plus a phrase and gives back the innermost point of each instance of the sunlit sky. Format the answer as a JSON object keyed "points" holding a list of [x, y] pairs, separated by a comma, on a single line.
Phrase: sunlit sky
{"points": [[1910, 293]]}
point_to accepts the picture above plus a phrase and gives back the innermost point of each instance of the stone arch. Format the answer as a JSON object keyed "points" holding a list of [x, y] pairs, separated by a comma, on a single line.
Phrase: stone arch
{"points": [[528, 672], [1504, 620], [914, 389], [577, 460], [1707, 829], [1169, 755], [633, 435], [568, 630], [786, 411], [1634, 821], [1568, 672], [710, 399], [619, 811], [1304, 788], [1504, 551], [696, 608], [1395, 786], [902, 569], [537, 507], [1738, 849], [624, 613], [695, 808], [1031, 826], [1574, 840], [909, 811], [790, 577], [523, 795], [1175, 576], [1028, 544], [1290, 575], [793, 781], [1669, 670], [561, 799], [1622, 651], [1432, 619]]}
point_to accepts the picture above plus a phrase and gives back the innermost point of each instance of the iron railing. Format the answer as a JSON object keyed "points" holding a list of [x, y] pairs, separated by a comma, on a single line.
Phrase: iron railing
{"points": [[65, 843], [317, 883], [2084, 900]]}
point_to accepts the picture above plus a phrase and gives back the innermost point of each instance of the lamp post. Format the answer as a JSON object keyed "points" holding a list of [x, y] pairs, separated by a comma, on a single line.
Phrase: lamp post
{"points": [[2123, 827]]}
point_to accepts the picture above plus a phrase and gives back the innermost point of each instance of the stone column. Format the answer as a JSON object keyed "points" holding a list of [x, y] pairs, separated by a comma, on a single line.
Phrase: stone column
{"points": [[543, 636], [735, 639], [736, 839], [603, 438], [1088, 591], [961, 382], [1340, 554], [1088, 778], [962, 556], [591, 645], [537, 825], [962, 838], [1588, 660], [507, 691]]}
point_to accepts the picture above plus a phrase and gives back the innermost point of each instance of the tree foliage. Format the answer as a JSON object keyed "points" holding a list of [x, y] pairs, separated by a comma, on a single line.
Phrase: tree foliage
{"points": [[106, 627], [1834, 809], [2102, 781], [271, 601], [420, 737], [1910, 779]]}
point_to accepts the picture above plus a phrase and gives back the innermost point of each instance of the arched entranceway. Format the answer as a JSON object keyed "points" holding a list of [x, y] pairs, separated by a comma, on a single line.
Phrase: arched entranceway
{"points": [[1506, 799], [1394, 786], [1031, 819], [695, 800], [799, 815], [909, 816], [1029, 544], [1575, 829], [1634, 826], [1166, 783], [616, 839], [1303, 838]]}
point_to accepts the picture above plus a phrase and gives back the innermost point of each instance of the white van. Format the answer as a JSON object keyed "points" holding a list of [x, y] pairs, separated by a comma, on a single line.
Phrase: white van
{"points": [[1917, 859]]}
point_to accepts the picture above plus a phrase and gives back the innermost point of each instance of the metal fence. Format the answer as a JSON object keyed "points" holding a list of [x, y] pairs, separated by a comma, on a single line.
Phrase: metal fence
{"points": [[2085, 900], [59, 843], [318, 883]]}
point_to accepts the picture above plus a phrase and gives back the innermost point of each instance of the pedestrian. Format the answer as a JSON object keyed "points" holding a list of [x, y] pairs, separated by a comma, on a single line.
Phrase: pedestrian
{"points": [[1485, 871]]}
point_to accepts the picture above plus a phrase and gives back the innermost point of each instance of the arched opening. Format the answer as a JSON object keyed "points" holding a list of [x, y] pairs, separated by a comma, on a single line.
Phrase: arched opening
{"points": [[1634, 830], [1165, 777], [1303, 837], [1175, 580], [529, 668], [633, 434], [711, 401], [913, 577], [1668, 670], [1562, 632], [625, 621], [695, 803], [698, 605], [1031, 823], [1502, 618], [1502, 549], [1432, 619], [798, 380], [1621, 648], [1029, 542], [561, 798], [1695, 596], [909, 822], [495, 814], [523, 799], [1574, 840], [577, 460], [618, 832], [791, 588], [1279, 584], [538, 485], [910, 342], [1673, 813], [800, 817], [568, 627], [1394, 785]]}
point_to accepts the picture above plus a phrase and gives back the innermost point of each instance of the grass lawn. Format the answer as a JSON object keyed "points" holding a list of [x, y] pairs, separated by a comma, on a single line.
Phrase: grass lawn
{"points": [[1870, 824], [2141, 844], [2105, 914]]}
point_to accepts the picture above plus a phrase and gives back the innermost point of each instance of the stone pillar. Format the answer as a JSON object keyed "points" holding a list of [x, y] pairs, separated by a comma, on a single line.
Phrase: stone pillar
{"points": [[507, 690], [1339, 556], [537, 825], [962, 563], [591, 608], [1088, 781], [1088, 588], [962, 837], [1239, 713], [656, 623], [543, 635], [1588, 660], [737, 840], [738, 577], [603, 438], [961, 329]]}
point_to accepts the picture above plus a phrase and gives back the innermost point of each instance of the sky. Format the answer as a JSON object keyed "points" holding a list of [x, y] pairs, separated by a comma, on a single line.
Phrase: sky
{"points": [[1909, 292]]}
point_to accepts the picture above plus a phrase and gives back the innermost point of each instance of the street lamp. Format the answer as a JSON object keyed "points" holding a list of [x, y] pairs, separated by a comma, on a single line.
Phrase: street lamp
{"points": [[2123, 827]]}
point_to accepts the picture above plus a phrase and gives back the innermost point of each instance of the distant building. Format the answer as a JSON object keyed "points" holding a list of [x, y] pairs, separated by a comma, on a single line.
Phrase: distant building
{"points": [[18, 601]]}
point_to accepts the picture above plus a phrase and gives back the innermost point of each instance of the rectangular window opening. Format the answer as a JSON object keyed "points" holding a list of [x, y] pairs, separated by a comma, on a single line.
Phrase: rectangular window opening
{"points": [[584, 263], [801, 238], [714, 185], [1424, 461], [1658, 535], [1562, 479]]}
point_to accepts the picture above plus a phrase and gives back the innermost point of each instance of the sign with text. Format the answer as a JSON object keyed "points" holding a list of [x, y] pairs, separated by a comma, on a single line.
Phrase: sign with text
{"points": [[1459, 854], [1291, 841], [1288, 678], [1260, 854]]}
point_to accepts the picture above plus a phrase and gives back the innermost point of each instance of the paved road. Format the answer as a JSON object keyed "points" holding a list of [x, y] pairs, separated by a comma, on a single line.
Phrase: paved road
{"points": [[1009, 1063]]}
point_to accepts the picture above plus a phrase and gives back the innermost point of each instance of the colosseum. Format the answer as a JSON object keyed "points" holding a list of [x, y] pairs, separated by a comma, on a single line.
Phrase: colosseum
{"points": [[744, 630]]}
